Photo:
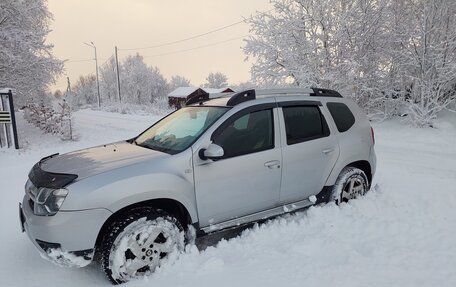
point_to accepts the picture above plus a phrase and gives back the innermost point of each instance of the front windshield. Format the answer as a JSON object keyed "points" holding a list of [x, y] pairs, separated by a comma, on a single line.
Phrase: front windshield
{"points": [[179, 130]]}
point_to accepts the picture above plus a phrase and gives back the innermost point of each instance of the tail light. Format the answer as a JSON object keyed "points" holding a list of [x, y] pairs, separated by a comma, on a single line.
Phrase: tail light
{"points": [[373, 136]]}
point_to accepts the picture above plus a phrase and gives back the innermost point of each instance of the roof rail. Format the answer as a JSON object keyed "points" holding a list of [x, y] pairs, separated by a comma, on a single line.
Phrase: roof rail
{"points": [[241, 97], [197, 99], [283, 91], [247, 95], [317, 92]]}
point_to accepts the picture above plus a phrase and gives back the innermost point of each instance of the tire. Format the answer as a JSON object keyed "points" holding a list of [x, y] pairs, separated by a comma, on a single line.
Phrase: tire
{"points": [[138, 242], [351, 183]]}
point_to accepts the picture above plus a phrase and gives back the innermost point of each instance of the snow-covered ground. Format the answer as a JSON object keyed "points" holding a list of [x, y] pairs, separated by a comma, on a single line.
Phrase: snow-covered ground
{"points": [[401, 234]]}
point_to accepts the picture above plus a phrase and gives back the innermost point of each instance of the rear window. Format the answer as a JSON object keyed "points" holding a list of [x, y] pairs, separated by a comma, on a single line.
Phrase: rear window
{"points": [[303, 123], [342, 116]]}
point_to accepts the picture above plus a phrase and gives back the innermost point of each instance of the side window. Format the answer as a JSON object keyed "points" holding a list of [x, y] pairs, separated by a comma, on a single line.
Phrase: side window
{"points": [[342, 116], [304, 123], [249, 133]]}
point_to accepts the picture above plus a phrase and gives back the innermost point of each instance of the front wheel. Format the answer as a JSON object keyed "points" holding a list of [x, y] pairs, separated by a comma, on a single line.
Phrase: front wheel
{"points": [[137, 243], [351, 183]]}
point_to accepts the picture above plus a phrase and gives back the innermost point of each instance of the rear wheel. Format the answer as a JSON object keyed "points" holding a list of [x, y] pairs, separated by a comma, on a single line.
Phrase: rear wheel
{"points": [[351, 183], [138, 242]]}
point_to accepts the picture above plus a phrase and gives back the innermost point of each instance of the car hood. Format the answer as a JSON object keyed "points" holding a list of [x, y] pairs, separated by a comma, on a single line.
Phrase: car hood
{"points": [[96, 160]]}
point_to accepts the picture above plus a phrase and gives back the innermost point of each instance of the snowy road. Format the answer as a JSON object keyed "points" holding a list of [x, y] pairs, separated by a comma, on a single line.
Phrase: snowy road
{"points": [[403, 234]]}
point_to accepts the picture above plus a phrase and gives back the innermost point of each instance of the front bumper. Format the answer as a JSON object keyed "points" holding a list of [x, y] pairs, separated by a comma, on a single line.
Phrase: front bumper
{"points": [[66, 238]]}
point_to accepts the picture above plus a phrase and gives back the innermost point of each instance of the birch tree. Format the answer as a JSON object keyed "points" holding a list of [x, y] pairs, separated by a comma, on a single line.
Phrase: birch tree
{"points": [[425, 41], [108, 81], [84, 92], [216, 80], [142, 84], [179, 81], [26, 60], [384, 54]]}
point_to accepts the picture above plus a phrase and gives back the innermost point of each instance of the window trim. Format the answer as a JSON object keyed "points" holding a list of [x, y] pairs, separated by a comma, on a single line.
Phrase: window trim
{"points": [[323, 121], [241, 113]]}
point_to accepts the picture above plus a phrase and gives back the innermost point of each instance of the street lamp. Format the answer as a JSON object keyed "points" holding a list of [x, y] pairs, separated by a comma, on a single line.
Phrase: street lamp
{"points": [[96, 70]]}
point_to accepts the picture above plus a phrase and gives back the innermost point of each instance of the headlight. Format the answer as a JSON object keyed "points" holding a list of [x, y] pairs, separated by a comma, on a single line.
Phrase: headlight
{"points": [[48, 201]]}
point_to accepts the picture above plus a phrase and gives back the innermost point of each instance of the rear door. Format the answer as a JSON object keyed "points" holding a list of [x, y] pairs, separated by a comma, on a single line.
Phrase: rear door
{"points": [[247, 179], [309, 150]]}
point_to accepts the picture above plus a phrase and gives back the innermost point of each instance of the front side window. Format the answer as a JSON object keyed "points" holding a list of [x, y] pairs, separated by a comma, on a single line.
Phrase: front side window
{"points": [[249, 133], [303, 123], [180, 129]]}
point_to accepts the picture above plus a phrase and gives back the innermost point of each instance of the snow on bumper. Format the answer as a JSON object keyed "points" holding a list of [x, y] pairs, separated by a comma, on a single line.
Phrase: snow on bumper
{"points": [[66, 238], [67, 259]]}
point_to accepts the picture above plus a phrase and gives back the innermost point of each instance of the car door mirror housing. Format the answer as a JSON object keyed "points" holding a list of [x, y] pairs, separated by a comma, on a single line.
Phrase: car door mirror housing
{"points": [[213, 151]]}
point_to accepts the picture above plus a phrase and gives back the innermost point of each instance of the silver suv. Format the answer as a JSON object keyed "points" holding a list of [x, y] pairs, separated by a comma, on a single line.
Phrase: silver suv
{"points": [[215, 164]]}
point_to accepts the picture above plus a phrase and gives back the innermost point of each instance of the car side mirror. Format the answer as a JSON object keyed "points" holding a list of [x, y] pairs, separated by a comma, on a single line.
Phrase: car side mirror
{"points": [[213, 151]]}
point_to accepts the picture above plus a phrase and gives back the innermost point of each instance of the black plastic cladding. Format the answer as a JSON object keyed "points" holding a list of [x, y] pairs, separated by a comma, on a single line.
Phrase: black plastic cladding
{"points": [[317, 92], [198, 99], [241, 97]]}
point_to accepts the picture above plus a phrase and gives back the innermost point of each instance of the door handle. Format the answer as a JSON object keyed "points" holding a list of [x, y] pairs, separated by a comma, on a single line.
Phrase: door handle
{"points": [[327, 151], [272, 164]]}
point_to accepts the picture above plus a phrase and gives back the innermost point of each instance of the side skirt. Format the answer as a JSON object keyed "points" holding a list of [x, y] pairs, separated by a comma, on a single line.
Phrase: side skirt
{"points": [[322, 197]]}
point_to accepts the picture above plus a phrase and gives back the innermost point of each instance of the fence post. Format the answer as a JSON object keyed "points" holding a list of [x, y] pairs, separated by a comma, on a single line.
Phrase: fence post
{"points": [[8, 117], [13, 119]]}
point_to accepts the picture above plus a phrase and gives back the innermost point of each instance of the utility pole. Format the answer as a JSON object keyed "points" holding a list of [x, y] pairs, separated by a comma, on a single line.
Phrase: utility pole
{"points": [[96, 70], [118, 76], [68, 85]]}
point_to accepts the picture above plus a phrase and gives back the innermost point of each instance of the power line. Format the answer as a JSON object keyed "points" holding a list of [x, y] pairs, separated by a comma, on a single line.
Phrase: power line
{"points": [[195, 48], [83, 60], [107, 60], [192, 37], [185, 39], [77, 61]]}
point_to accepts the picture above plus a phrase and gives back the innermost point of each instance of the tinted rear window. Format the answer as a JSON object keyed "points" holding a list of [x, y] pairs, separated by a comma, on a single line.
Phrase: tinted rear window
{"points": [[342, 116], [303, 123]]}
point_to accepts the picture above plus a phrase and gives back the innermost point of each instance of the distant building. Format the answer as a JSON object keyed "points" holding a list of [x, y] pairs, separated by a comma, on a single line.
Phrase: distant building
{"points": [[181, 95]]}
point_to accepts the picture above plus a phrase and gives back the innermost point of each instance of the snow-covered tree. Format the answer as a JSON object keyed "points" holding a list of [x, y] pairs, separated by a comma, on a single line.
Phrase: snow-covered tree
{"points": [[51, 115], [327, 43], [425, 52], [84, 91], [216, 80], [383, 53], [179, 81], [26, 60], [108, 81], [141, 84], [243, 86]]}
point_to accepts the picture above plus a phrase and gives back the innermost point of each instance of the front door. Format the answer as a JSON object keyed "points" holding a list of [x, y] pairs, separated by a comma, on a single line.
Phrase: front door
{"points": [[247, 178]]}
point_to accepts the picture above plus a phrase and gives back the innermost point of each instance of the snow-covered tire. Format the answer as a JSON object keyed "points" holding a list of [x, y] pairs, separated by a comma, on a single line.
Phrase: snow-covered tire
{"points": [[138, 242], [351, 183]]}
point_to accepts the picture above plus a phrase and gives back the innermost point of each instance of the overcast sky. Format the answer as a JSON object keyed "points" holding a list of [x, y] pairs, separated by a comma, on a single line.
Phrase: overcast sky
{"points": [[143, 23]]}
